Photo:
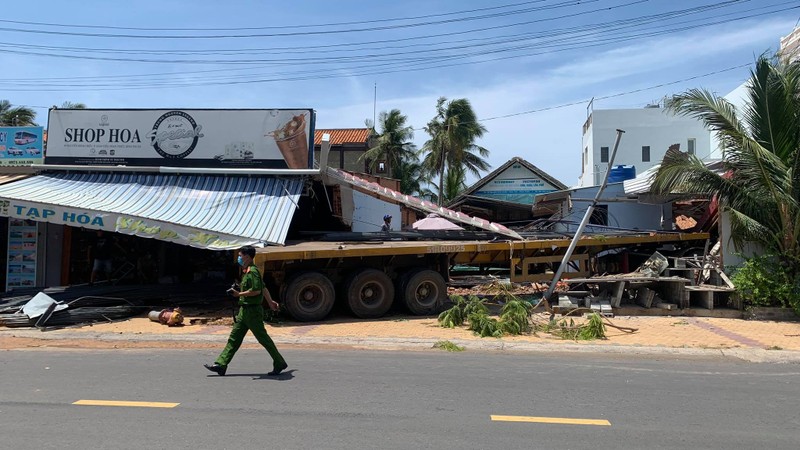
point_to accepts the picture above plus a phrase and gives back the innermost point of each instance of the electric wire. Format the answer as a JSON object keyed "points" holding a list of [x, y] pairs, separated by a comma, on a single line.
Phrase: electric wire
{"points": [[328, 32], [462, 43], [414, 63]]}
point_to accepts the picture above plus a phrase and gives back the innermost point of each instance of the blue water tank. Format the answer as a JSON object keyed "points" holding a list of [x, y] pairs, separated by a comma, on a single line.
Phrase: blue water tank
{"points": [[619, 174]]}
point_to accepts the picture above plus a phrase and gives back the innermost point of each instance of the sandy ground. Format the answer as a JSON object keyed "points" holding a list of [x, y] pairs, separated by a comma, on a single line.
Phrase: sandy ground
{"points": [[675, 332]]}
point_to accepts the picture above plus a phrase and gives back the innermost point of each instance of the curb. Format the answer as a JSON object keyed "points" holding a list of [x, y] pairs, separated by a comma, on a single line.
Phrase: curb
{"points": [[756, 355]]}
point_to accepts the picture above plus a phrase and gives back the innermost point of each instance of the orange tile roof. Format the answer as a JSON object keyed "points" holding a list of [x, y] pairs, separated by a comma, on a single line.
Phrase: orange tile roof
{"points": [[340, 136]]}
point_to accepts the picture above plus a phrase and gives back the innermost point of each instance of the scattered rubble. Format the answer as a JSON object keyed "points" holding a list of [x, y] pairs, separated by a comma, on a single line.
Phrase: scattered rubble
{"points": [[169, 317]]}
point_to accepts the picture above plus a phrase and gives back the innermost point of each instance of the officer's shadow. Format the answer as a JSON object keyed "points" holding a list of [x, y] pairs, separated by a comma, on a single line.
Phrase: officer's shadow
{"points": [[284, 376]]}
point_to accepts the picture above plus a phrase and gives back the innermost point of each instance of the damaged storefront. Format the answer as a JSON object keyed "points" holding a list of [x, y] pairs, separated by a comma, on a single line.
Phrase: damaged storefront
{"points": [[167, 193]]}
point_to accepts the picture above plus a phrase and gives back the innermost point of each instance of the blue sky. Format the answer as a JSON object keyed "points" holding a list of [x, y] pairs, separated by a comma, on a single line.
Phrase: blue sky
{"points": [[508, 58]]}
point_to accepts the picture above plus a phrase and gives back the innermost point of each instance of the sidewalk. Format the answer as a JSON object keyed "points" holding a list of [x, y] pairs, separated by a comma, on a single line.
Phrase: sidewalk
{"points": [[748, 340]]}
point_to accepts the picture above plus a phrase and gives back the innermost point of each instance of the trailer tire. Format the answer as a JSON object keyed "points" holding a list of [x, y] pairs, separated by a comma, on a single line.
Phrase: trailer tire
{"points": [[369, 293], [424, 291], [309, 296]]}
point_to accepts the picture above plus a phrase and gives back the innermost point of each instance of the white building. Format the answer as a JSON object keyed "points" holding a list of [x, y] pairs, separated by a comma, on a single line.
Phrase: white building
{"points": [[648, 133], [790, 45]]}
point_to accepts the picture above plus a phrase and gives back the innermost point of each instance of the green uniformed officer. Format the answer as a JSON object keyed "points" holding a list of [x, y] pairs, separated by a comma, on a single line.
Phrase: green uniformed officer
{"points": [[250, 317]]}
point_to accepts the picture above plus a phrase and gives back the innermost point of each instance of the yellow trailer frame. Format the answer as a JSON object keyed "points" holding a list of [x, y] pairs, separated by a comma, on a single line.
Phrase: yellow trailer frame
{"points": [[522, 257]]}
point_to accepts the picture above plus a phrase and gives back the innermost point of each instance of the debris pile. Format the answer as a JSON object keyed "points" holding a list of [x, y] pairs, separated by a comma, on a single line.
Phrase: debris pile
{"points": [[43, 311], [84, 305]]}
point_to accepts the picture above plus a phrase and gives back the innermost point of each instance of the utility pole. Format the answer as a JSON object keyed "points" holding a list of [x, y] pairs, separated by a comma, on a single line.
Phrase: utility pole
{"points": [[586, 217]]}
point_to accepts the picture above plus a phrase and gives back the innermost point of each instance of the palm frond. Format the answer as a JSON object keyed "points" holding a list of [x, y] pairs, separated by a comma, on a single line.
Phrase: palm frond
{"points": [[718, 114]]}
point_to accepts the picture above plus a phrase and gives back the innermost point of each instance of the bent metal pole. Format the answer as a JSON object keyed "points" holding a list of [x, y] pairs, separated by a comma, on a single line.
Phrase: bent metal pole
{"points": [[586, 217]]}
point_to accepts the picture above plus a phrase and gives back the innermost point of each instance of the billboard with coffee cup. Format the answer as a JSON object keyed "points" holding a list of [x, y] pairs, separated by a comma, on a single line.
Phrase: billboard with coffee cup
{"points": [[214, 138]]}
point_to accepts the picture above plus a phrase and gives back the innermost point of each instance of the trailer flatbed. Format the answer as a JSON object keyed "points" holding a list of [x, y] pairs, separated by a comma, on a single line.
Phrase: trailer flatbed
{"points": [[308, 277], [345, 249]]}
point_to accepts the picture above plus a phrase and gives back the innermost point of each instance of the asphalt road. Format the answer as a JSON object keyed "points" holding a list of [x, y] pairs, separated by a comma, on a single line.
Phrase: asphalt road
{"points": [[346, 399]]}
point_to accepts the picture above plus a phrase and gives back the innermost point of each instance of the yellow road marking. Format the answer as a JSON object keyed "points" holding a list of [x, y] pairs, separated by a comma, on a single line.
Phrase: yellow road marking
{"points": [[561, 420], [121, 403]]}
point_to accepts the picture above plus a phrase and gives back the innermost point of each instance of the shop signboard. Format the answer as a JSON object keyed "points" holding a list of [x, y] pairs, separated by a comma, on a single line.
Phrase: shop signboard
{"points": [[21, 255], [20, 211], [517, 184], [203, 138], [59, 215], [20, 146]]}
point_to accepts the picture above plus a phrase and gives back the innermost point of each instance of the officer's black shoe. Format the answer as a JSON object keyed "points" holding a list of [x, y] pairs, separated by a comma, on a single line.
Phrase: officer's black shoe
{"points": [[216, 368], [278, 369]]}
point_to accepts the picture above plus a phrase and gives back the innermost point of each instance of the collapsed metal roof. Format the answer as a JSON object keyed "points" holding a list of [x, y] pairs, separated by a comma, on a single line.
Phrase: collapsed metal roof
{"points": [[342, 177]]}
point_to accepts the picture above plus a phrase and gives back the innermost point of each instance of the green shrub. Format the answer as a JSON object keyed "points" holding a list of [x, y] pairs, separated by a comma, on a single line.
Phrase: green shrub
{"points": [[566, 328], [454, 317], [449, 346], [763, 281], [483, 325], [475, 305], [594, 329], [515, 317]]}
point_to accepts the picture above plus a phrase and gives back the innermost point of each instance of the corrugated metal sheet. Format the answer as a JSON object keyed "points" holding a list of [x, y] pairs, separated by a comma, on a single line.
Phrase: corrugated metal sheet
{"points": [[9, 177], [644, 181], [641, 184], [207, 211], [419, 204]]}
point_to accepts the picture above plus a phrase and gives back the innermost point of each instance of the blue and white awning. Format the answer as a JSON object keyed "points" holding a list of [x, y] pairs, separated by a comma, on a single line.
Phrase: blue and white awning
{"points": [[207, 211]]}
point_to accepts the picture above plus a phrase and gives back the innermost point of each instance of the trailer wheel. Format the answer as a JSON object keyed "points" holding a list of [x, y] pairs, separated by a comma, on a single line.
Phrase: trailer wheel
{"points": [[424, 291], [309, 296], [369, 293]]}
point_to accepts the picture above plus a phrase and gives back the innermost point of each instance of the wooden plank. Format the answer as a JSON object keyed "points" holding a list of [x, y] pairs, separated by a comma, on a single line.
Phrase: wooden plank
{"points": [[725, 279], [644, 297], [709, 288], [616, 294], [630, 279]]}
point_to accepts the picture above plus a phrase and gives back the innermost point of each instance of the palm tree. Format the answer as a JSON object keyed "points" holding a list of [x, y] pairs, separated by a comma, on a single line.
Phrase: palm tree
{"points": [[72, 105], [412, 177], [21, 116], [761, 143], [392, 144], [453, 132], [454, 183]]}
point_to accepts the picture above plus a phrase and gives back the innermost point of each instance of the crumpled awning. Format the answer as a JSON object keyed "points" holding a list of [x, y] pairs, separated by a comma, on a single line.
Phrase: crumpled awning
{"points": [[9, 177], [419, 204], [206, 211]]}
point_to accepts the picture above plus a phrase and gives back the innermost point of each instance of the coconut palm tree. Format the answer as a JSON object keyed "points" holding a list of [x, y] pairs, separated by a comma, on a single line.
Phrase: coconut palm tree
{"points": [[393, 143], [453, 132], [761, 146], [413, 177], [455, 181], [11, 115]]}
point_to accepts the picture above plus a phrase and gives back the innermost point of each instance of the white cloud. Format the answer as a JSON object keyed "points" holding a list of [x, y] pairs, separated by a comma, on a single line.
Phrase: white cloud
{"points": [[552, 139]]}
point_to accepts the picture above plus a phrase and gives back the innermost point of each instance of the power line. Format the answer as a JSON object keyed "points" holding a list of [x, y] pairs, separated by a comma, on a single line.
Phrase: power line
{"points": [[584, 101], [325, 32], [629, 22], [593, 41], [619, 94], [294, 26], [390, 67]]}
